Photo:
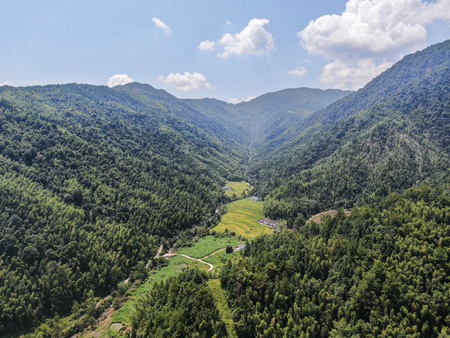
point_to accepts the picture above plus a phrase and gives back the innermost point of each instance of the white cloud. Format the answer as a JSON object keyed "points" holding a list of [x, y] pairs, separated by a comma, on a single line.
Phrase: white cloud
{"points": [[185, 82], [299, 71], [376, 30], [207, 45], [228, 23], [236, 100], [162, 25], [7, 83], [344, 75], [252, 40], [118, 80]]}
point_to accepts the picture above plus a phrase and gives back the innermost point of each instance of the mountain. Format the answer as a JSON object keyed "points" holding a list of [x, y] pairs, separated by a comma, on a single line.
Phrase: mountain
{"points": [[381, 271], [270, 117], [389, 136], [92, 181]]}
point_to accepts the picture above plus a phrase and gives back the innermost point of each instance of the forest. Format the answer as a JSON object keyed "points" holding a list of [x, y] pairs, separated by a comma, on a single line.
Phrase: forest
{"points": [[381, 271], [93, 180], [89, 189]]}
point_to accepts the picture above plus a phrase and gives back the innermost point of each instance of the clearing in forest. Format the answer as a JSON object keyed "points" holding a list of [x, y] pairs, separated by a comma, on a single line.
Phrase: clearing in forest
{"points": [[176, 264], [222, 305], [237, 188], [209, 244], [319, 217], [241, 219]]}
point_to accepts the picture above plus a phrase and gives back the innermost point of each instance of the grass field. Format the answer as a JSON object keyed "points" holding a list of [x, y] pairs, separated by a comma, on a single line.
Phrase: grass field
{"points": [[242, 217], [209, 244], [237, 188], [176, 265], [222, 305]]}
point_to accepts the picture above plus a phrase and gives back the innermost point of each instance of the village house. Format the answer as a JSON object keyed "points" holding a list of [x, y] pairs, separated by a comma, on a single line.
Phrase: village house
{"points": [[240, 247], [254, 199], [268, 222]]}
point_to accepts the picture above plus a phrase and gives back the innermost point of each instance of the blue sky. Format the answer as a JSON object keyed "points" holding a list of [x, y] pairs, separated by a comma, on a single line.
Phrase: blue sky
{"points": [[230, 50]]}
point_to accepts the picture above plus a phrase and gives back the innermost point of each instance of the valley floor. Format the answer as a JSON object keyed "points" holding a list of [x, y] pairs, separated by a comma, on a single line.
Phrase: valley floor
{"points": [[207, 254]]}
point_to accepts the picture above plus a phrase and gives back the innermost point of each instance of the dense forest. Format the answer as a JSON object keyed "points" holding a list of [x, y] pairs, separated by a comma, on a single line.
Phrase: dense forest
{"points": [[183, 306], [381, 271], [92, 182], [389, 136], [94, 179]]}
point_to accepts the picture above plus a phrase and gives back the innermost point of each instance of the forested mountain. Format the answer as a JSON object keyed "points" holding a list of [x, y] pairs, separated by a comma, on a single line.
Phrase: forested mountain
{"points": [[273, 118], [388, 136], [383, 271], [183, 306], [92, 180]]}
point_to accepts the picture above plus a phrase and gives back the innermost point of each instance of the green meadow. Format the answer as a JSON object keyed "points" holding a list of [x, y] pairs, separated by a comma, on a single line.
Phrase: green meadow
{"points": [[176, 265], [207, 245], [237, 188], [241, 219]]}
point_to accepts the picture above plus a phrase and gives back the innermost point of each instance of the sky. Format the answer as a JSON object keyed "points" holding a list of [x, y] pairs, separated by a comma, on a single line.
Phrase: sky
{"points": [[225, 49]]}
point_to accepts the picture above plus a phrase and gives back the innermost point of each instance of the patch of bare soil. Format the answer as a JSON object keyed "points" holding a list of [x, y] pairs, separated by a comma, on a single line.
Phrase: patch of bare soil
{"points": [[318, 218], [102, 325]]}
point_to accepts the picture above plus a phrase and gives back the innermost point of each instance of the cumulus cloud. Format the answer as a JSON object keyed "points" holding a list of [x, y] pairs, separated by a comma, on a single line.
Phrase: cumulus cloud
{"points": [[207, 45], [345, 75], [118, 80], [185, 82], [299, 71], [7, 83], [378, 30], [162, 25], [252, 40]]}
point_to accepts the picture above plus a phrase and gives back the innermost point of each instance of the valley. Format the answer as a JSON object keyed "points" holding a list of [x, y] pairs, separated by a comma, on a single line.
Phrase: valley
{"points": [[209, 251], [99, 186]]}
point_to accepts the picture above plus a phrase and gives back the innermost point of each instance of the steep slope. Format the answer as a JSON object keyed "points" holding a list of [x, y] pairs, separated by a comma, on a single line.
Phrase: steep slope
{"points": [[270, 117], [224, 114], [389, 136], [92, 180]]}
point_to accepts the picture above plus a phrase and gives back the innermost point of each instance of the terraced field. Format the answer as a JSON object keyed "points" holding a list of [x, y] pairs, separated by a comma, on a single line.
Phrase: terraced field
{"points": [[237, 188], [241, 219]]}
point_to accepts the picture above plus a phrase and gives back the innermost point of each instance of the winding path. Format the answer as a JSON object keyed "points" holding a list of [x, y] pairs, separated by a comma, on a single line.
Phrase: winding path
{"points": [[194, 259]]}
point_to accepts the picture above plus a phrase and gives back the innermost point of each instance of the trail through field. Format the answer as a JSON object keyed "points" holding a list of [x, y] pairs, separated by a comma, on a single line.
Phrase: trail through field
{"points": [[194, 259], [213, 253]]}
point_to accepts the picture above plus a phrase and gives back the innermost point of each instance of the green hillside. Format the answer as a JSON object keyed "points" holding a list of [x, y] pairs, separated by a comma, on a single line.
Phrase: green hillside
{"points": [[389, 141], [383, 271], [92, 181]]}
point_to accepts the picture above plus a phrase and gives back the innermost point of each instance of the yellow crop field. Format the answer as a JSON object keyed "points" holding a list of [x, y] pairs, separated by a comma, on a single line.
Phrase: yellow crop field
{"points": [[237, 188], [242, 217]]}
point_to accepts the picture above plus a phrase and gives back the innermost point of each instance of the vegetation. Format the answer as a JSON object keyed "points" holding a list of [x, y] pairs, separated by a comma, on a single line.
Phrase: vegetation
{"points": [[387, 137], [183, 306], [381, 271], [237, 189], [222, 305], [241, 219], [209, 244], [93, 180]]}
